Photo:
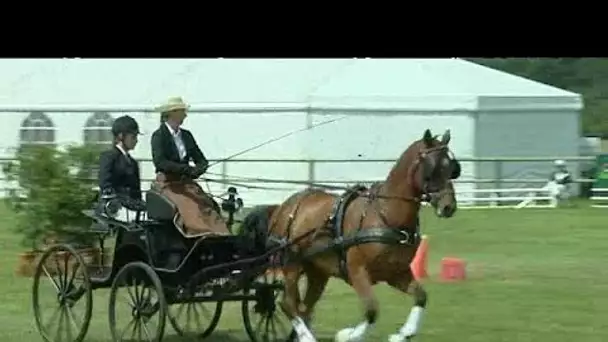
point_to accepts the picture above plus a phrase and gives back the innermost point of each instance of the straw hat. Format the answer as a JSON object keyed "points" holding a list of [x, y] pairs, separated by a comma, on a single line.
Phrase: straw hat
{"points": [[173, 103]]}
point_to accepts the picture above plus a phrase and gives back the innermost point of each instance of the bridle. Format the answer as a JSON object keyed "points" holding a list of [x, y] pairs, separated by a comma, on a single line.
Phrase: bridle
{"points": [[426, 195]]}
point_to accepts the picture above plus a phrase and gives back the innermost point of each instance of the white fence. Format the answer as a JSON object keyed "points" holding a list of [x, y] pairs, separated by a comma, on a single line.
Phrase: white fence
{"points": [[502, 189], [508, 198], [599, 197], [497, 192]]}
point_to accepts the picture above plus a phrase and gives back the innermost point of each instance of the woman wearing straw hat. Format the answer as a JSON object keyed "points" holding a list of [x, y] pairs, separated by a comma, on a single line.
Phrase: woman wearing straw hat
{"points": [[172, 150]]}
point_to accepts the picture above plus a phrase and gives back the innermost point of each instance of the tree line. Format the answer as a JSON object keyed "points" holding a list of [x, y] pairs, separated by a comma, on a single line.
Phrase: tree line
{"points": [[585, 76]]}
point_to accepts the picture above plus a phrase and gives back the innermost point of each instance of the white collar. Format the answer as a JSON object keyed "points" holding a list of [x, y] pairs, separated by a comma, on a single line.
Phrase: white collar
{"points": [[121, 150], [171, 130]]}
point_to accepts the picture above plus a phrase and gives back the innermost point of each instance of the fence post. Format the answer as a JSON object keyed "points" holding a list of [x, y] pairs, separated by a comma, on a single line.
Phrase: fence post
{"points": [[311, 171], [224, 174], [498, 175]]}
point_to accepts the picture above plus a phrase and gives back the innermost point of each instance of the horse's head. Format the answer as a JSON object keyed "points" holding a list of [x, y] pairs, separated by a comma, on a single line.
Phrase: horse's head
{"points": [[434, 171]]}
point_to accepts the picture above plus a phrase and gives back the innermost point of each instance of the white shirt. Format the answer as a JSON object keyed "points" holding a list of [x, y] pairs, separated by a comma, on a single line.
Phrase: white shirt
{"points": [[122, 150], [179, 142], [125, 153]]}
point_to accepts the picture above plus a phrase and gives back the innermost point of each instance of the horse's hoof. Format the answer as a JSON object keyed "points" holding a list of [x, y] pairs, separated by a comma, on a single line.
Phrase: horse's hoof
{"points": [[398, 338], [344, 335], [306, 338]]}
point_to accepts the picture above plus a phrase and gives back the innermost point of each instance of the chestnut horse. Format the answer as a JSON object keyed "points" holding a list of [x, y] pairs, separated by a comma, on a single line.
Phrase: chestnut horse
{"points": [[364, 237]]}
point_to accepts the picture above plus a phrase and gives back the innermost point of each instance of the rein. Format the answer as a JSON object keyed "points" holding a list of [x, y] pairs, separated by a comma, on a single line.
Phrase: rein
{"points": [[278, 138], [371, 193]]}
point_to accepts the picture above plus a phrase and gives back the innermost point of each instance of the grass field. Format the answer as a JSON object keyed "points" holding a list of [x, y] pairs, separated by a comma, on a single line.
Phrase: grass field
{"points": [[534, 275]]}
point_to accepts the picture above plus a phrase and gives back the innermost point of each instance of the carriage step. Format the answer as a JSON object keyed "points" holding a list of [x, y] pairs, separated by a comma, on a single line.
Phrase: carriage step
{"points": [[99, 273]]}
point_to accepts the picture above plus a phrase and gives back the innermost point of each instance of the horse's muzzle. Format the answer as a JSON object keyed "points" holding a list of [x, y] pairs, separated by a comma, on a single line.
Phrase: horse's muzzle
{"points": [[446, 210]]}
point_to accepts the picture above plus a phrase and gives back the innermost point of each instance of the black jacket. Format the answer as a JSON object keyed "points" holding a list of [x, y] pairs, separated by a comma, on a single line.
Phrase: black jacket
{"points": [[166, 157], [119, 174]]}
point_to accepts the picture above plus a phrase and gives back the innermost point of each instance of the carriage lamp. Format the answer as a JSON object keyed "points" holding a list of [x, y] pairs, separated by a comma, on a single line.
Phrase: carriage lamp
{"points": [[233, 203]]}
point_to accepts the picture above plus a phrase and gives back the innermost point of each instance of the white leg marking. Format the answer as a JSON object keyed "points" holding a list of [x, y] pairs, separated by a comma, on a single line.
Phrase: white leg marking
{"points": [[411, 326], [304, 334], [356, 334]]}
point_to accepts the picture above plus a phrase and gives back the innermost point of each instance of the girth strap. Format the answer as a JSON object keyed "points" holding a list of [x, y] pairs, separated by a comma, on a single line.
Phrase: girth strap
{"points": [[383, 235], [388, 236]]}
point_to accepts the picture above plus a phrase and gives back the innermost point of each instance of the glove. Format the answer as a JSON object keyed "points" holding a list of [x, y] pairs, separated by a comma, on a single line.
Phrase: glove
{"points": [[108, 193], [197, 171]]}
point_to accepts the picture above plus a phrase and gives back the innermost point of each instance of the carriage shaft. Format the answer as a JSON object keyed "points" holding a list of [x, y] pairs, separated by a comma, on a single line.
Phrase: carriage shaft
{"points": [[214, 298]]}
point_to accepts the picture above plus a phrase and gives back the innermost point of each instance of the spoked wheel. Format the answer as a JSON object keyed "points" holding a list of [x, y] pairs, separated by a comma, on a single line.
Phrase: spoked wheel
{"points": [[263, 318], [195, 319], [61, 284], [137, 305]]}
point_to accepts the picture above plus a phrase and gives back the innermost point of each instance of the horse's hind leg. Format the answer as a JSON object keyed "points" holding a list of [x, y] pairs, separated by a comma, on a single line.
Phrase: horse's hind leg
{"points": [[411, 327], [317, 281], [291, 302], [362, 284]]}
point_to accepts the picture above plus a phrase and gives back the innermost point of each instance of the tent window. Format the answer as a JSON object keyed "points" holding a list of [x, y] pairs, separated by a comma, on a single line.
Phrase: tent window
{"points": [[98, 129], [37, 129]]}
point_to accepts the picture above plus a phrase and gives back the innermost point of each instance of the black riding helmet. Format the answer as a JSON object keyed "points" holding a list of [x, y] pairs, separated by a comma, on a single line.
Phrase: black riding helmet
{"points": [[125, 125]]}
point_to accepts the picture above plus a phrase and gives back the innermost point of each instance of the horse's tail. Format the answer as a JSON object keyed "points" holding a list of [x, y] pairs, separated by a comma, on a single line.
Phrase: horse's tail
{"points": [[255, 225]]}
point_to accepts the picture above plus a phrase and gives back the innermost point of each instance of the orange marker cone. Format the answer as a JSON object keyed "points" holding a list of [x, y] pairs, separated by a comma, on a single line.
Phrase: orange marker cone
{"points": [[418, 265], [453, 269]]}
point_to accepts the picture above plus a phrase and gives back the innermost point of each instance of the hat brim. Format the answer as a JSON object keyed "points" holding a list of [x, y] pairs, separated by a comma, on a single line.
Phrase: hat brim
{"points": [[170, 108], [136, 133]]}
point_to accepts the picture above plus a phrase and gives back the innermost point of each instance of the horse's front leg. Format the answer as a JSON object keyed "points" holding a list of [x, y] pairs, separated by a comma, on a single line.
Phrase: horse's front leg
{"points": [[291, 302], [362, 284], [411, 327]]}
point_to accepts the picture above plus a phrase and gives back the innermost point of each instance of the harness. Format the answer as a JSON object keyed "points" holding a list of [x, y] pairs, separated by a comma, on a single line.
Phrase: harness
{"points": [[384, 234]]}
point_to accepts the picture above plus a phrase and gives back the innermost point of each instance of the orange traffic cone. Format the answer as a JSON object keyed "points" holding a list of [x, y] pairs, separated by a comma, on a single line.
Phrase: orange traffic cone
{"points": [[453, 269], [418, 265]]}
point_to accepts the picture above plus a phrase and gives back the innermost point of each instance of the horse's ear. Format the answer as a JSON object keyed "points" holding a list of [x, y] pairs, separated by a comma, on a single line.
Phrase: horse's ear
{"points": [[446, 137], [427, 138]]}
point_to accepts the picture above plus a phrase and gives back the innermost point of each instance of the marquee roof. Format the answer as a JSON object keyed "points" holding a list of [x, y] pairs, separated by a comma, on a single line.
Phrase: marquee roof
{"points": [[403, 84]]}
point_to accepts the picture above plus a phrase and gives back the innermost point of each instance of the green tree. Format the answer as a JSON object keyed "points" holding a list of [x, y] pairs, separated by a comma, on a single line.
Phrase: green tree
{"points": [[52, 189]]}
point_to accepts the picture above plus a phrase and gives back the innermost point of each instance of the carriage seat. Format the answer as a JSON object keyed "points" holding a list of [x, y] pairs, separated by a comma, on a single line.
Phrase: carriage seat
{"points": [[159, 207]]}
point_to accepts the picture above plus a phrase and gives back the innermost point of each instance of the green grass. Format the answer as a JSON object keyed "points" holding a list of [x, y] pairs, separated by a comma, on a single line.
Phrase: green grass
{"points": [[534, 275]]}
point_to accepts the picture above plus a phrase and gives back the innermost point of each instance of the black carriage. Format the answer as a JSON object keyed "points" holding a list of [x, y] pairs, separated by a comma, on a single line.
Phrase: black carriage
{"points": [[163, 274]]}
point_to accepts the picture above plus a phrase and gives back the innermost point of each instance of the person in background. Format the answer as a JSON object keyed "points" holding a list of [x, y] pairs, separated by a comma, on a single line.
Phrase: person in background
{"points": [[173, 148], [559, 181], [119, 176]]}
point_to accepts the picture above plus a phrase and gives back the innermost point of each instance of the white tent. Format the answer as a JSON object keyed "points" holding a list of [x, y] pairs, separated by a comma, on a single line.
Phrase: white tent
{"points": [[384, 83], [388, 104]]}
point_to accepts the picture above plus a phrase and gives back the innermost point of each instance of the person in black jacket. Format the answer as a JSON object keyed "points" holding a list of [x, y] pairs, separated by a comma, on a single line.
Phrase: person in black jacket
{"points": [[173, 148], [118, 172]]}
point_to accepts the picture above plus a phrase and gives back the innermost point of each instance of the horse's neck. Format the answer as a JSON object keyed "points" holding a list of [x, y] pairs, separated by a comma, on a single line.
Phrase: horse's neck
{"points": [[399, 206], [399, 182]]}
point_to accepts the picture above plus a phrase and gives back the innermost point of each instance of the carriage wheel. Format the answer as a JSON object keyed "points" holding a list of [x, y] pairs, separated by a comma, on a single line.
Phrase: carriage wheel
{"points": [[263, 318], [137, 304], [67, 288], [195, 319]]}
